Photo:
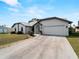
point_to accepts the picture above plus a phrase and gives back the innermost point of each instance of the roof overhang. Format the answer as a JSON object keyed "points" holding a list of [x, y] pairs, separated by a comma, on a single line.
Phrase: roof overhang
{"points": [[50, 18]]}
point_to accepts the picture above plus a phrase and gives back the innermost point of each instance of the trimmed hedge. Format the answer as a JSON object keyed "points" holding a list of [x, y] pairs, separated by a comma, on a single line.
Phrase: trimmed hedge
{"points": [[31, 33], [20, 32], [76, 34], [13, 32]]}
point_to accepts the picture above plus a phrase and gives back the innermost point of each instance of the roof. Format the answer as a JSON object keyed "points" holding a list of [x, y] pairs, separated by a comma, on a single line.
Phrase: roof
{"points": [[23, 23], [32, 23], [26, 24], [50, 18]]}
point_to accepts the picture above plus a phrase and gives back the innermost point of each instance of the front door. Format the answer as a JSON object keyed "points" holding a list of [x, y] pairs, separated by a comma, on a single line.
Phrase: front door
{"points": [[38, 29]]}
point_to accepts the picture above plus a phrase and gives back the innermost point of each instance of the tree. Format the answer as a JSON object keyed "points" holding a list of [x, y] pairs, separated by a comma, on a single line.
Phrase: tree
{"points": [[71, 30]]}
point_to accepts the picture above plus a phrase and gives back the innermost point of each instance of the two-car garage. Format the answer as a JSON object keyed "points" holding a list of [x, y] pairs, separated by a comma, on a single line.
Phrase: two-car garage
{"points": [[53, 26], [55, 30]]}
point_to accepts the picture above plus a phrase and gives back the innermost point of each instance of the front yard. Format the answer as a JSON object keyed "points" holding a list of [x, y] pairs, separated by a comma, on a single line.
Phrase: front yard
{"points": [[74, 41], [9, 38]]}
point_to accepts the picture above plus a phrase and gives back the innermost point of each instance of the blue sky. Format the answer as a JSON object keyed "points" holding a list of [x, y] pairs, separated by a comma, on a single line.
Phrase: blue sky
{"points": [[12, 11]]}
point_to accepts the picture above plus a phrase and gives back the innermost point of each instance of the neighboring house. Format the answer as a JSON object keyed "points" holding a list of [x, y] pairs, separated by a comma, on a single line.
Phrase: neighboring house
{"points": [[52, 26], [77, 28], [47, 26], [4, 29], [23, 27]]}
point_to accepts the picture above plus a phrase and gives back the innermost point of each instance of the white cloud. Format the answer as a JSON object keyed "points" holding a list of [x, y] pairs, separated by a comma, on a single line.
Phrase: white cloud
{"points": [[73, 16], [11, 2], [38, 11], [13, 9], [35, 11], [76, 14], [14, 3]]}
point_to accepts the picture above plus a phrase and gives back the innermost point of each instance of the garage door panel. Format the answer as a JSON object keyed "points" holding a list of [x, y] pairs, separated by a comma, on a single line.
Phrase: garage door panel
{"points": [[54, 30]]}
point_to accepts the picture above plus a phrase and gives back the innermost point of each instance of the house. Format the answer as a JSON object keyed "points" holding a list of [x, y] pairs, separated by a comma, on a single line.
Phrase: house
{"points": [[52, 26], [4, 29], [46, 26], [23, 27], [77, 28]]}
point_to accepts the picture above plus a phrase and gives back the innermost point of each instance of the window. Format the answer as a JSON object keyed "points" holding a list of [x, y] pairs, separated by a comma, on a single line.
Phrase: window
{"points": [[66, 26], [22, 29], [15, 29]]}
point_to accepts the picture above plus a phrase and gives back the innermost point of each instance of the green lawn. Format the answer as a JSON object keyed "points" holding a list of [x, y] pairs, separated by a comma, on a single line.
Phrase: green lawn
{"points": [[74, 41], [9, 38]]}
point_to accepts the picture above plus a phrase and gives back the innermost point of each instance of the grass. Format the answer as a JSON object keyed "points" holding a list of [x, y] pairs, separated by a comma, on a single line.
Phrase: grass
{"points": [[74, 41], [9, 38]]}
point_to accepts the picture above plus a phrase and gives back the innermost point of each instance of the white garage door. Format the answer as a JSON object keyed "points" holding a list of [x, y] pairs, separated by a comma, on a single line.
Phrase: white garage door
{"points": [[55, 30]]}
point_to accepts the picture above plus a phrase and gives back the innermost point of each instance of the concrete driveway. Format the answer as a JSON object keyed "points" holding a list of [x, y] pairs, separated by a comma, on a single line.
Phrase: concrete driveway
{"points": [[40, 47]]}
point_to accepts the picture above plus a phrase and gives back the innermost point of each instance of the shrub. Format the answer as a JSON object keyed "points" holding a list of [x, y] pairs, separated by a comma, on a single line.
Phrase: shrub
{"points": [[4, 33], [13, 32], [76, 34], [71, 30], [20, 32], [31, 33]]}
